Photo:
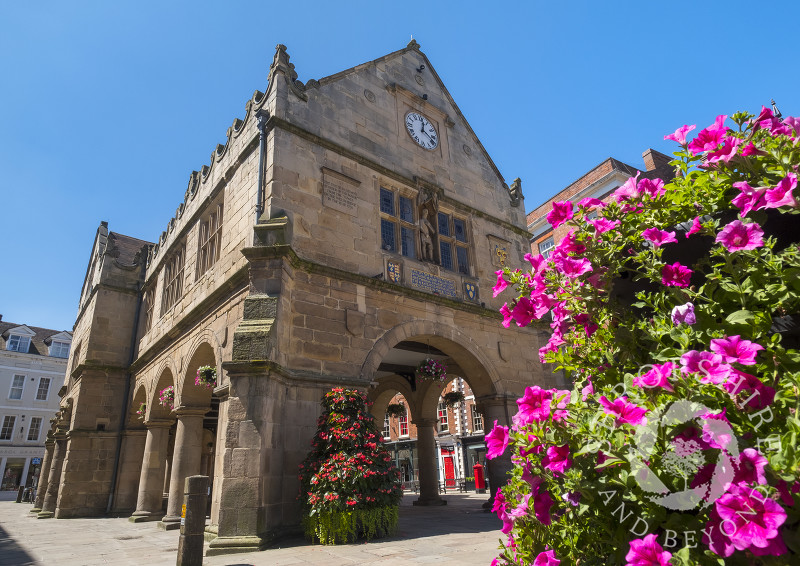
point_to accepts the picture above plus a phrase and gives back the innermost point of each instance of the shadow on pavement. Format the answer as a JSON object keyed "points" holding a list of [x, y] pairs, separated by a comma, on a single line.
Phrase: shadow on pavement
{"points": [[12, 554]]}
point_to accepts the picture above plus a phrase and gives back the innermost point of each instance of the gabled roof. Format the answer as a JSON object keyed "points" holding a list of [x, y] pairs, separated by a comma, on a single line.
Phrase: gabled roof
{"points": [[40, 337]]}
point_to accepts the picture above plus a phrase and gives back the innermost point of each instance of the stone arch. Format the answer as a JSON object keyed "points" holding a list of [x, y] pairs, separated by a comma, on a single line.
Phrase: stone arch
{"points": [[166, 377], [140, 396], [202, 354], [475, 367], [383, 393]]}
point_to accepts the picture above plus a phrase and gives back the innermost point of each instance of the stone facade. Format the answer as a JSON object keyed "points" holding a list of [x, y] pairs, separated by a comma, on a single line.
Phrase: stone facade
{"points": [[293, 265]]}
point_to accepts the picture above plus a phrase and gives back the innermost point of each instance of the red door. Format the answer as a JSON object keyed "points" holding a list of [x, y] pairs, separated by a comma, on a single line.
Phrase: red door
{"points": [[449, 472]]}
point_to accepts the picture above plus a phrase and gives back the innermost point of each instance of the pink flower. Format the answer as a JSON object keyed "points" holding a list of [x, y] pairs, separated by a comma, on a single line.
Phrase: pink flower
{"points": [[628, 190], [496, 441], [710, 365], [602, 225], [753, 393], [562, 211], [658, 237], [542, 502], [524, 312], [709, 138], [675, 275], [656, 377], [625, 412], [717, 432], [679, 135], [652, 187], [589, 202], [587, 390], [738, 236], [507, 316], [696, 226], [782, 195], [726, 151], [534, 405], [647, 552], [744, 519], [750, 468], [734, 349], [557, 459], [748, 198], [568, 245], [572, 267], [536, 261], [546, 558], [501, 284], [684, 314]]}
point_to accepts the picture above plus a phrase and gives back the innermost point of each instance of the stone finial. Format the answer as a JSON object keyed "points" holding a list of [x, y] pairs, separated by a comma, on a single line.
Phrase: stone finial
{"points": [[515, 192], [413, 44], [281, 65]]}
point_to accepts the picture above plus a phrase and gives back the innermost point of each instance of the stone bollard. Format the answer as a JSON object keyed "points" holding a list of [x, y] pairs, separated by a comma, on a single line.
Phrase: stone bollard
{"points": [[20, 491], [193, 521]]}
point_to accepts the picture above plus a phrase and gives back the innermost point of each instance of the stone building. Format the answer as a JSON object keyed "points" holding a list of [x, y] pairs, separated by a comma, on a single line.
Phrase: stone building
{"points": [[33, 362], [348, 227], [600, 182]]}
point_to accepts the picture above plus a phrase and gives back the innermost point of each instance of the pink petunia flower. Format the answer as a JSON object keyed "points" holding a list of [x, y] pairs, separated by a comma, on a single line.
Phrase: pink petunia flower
{"points": [[647, 552], [782, 195], [629, 190], [542, 502], [501, 284], [568, 245], [546, 558], [624, 411], [734, 349], [751, 390], [602, 225], [557, 459], [675, 275], [679, 135], [534, 405], [658, 237], [717, 431], [656, 377], [536, 261], [738, 236], [750, 467], [709, 138], [572, 267], [696, 227], [748, 198], [744, 519], [507, 316], [726, 151], [590, 202], [654, 188], [562, 211], [710, 366], [684, 314], [496, 441]]}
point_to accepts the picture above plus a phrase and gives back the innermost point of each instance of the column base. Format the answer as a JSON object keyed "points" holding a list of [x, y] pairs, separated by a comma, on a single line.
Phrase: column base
{"points": [[45, 515], [234, 545], [144, 517], [429, 502], [169, 523], [36, 510]]}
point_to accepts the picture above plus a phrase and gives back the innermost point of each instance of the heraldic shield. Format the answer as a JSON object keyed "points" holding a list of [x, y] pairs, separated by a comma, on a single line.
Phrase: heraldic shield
{"points": [[393, 271], [471, 291]]}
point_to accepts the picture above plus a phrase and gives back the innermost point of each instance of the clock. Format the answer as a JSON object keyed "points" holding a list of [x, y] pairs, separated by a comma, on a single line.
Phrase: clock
{"points": [[421, 130]]}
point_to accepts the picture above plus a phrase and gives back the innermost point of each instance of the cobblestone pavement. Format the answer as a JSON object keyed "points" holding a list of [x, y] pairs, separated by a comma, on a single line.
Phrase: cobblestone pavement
{"points": [[459, 533]]}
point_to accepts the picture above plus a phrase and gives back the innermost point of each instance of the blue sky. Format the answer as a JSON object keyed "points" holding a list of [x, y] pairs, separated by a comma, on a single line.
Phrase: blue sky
{"points": [[107, 107]]}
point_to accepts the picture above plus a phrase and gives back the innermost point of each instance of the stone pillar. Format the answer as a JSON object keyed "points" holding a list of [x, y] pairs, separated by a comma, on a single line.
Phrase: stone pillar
{"points": [[44, 473], [426, 450], [129, 470], [151, 479], [54, 479], [23, 481], [499, 409], [185, 460]]}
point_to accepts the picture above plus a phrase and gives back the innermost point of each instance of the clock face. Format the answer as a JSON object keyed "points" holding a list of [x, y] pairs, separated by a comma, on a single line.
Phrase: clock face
{"points": [[421, 130]]}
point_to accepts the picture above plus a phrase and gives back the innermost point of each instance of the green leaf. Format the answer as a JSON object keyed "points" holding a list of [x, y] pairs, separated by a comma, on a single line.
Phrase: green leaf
{"points": [[739, 317]]}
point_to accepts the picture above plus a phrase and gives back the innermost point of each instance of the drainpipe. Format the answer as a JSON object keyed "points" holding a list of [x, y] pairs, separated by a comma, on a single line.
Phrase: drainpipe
{"points": [[262, 116], [128, 376]]}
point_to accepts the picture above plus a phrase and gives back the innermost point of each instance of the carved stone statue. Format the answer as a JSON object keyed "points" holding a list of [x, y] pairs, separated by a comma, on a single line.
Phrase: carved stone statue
{"points": [[426, 233]]}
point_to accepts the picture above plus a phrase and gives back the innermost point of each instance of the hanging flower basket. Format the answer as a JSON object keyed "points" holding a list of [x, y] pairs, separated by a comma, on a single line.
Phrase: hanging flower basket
{"points": [[396, 409], [167, 397], [142, 410], [453, 398], [206, 377], [432, 369]]}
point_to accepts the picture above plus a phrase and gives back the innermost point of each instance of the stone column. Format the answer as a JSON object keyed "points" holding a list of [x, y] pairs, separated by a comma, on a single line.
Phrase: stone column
{"points": [[426, 451], [185, 460], [499, 409], [151, 480], [54, 479], [44, 473], [23, 481]]}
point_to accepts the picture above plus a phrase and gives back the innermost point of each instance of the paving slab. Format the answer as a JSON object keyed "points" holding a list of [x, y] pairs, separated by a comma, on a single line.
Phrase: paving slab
{"points": [[459, 533]]}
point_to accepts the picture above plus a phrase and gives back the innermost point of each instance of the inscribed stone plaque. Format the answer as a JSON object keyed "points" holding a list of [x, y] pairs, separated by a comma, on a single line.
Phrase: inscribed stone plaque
{"points": [[338, 192], [433, 283]]}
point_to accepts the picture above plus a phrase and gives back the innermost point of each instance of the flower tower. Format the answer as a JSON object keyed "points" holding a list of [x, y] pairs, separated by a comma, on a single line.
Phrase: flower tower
{"points": [[349, 487]]}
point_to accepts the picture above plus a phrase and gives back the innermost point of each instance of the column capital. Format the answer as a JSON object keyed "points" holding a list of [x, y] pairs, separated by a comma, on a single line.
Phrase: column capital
{"points": [[159, 423], [184, 411]]}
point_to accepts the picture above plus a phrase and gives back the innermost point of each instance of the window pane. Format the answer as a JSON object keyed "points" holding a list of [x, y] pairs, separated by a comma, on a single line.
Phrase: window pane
{"points": [[33, 431], [387, 201], [17, 385], [386, 425], [18, 343], [404, 425], [406, 211], [388, 236], [460, 229], [7, 430], [443, 427], [44, 388], [461, 256], [407, 242], [447, 255], [444, 224], [545, 247], [60, 350], [477, 420]]}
